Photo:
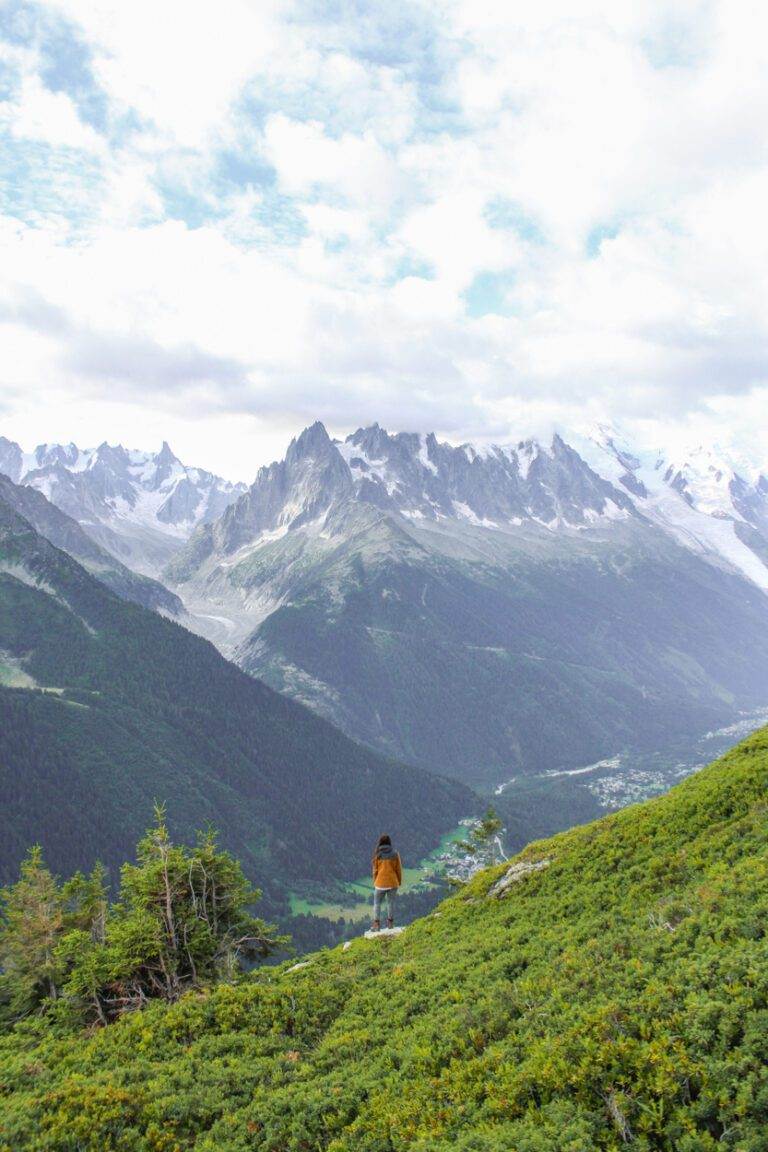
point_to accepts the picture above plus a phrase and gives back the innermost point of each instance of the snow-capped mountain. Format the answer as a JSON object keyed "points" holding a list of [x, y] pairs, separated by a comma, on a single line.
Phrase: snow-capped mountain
{"points": [[484, 609], [141, 506], [706, 500], [701, 501], [417, 478], [66, 534]]}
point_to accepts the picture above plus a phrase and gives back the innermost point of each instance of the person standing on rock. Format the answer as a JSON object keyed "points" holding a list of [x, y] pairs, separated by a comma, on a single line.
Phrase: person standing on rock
{"points": [[387, 877]]}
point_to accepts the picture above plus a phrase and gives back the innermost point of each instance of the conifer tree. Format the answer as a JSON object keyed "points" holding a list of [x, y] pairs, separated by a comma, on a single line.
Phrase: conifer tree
{"points": [[484, 842], [31, 923], [182, 921]]}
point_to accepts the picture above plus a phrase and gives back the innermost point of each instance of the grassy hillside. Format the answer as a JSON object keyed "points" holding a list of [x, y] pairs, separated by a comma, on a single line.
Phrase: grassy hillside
{"points": [[614, 997], [114, 706]]}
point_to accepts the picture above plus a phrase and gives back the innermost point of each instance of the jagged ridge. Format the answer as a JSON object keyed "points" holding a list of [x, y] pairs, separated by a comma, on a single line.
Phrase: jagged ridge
{"points": [[140, 506]]}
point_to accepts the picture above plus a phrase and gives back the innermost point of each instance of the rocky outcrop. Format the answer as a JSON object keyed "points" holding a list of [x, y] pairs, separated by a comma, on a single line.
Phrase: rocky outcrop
{"points": [[515, 873]]}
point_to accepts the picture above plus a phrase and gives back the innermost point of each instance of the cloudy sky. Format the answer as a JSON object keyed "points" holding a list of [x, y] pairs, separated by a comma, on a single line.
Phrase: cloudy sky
{"points": [[219, 222]]}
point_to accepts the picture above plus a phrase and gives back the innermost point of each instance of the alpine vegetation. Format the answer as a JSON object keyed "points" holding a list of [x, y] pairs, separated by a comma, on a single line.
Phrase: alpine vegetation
{"points": [[607, 989], [181, 922]]}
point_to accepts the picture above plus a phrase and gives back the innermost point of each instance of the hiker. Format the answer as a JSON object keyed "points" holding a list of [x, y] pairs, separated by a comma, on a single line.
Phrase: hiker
{"points": [[387, 878]]}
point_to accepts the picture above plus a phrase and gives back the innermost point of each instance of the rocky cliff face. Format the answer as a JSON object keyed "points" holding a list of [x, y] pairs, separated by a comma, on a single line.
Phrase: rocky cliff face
{"points": [[295, 491]]}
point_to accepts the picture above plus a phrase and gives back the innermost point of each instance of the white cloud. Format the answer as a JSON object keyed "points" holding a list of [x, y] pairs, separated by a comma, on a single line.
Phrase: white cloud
{"points": [[452, 235], [178, 66], [296, 211], [38, 114], [354, 168]]}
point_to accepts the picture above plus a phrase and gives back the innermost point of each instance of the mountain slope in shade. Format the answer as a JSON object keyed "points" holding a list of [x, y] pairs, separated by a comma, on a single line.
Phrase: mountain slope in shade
{"points": [[140, 506], [65, 533], [481, 612], [105, 707], [606, 989]]}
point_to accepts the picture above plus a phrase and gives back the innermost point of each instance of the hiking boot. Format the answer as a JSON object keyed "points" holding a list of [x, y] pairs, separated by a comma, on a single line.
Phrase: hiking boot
{"points": [[376, 926], [390, 922]]}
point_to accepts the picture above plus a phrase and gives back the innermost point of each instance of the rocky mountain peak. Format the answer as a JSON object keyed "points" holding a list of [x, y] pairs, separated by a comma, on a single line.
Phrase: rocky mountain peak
{"points": [[11, 458], [166, 455], [166, 465], [50, 455], [373, 441], [313, 441], [295, 491], [140, 506], [110, 459]]}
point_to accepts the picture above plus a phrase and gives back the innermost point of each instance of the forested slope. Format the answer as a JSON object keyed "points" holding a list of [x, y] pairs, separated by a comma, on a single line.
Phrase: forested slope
{"points": [[608, 989], [65, 533], [107, 706]]}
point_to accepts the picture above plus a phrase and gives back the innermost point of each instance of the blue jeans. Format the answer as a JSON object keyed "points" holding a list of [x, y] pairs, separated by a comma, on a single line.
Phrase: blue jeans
{"points": [[378, 896]]}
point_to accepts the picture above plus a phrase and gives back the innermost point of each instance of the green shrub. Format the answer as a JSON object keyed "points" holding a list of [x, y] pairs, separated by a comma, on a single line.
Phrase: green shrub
{"points": [[617, 998]]}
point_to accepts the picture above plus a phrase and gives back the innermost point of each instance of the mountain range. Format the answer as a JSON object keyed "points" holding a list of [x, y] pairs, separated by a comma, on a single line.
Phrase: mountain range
{"points": [[140, 506], [487, 611], [476, 610]]}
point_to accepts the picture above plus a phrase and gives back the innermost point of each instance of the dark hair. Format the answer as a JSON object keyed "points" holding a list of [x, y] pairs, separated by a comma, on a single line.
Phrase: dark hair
{"points": [[380, 844]]}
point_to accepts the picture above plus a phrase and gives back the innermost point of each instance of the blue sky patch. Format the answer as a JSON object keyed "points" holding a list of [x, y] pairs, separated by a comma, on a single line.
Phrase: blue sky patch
{"points": [[411, 265], [506, 214], [487, 294], [64, 55], [38, 181], [597, 235]]}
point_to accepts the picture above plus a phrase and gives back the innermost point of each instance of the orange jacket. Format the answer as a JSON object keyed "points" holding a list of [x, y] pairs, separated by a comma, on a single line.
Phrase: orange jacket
{"points": [[387, 873]]}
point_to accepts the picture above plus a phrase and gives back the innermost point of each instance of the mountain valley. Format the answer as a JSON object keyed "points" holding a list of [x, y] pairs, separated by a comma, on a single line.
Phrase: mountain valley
{"points": [[106, 707], [481, 611]]}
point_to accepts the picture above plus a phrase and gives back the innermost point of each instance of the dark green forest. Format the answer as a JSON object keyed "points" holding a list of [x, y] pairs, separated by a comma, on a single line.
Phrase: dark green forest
{"points": [[115, 707]]}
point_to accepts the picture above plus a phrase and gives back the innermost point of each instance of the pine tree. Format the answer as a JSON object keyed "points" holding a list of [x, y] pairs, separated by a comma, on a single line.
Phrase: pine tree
{"points": [[31, 923], [484, 844], [485, 837], [182, 921]]}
